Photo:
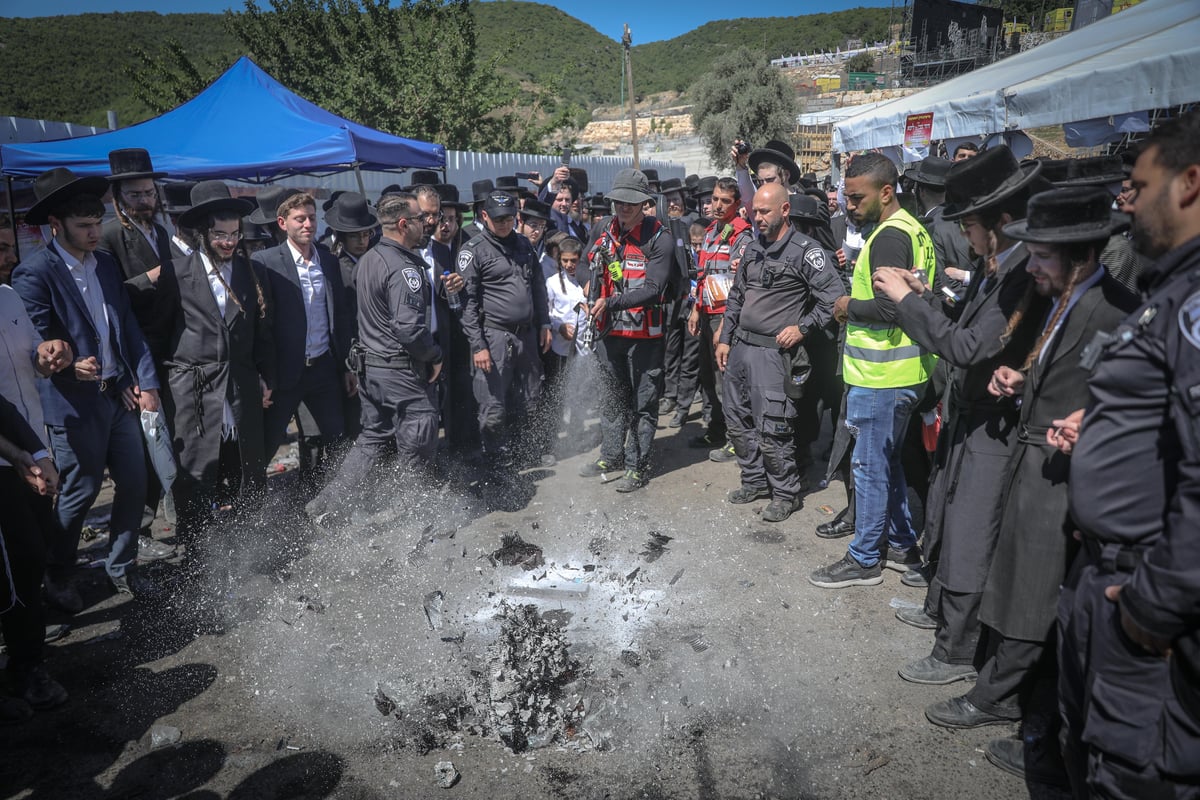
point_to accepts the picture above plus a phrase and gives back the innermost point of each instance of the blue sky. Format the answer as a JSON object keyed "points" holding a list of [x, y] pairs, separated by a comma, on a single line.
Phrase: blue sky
{"points": [[649, 21]]}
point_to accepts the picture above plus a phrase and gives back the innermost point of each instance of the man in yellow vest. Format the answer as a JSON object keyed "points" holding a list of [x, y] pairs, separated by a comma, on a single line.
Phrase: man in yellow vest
{"points": [[885, 372]]}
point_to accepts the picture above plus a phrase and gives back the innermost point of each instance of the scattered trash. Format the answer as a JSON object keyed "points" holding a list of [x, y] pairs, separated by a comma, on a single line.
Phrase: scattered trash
{"points": [[515, 551], [312, 604], [446, 774], [433, 609], [697, 641], [877, 762], [678, 575], [656, 545], [630, 658], [825, 509], [900, 602], [163, 735]]}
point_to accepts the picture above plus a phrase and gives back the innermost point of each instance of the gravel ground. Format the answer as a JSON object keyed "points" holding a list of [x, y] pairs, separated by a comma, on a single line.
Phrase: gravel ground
{"points": [[700, 663]]}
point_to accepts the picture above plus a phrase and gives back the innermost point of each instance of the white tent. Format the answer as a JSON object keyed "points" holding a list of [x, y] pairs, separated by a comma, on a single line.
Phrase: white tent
{"points": [[1143, 58]]}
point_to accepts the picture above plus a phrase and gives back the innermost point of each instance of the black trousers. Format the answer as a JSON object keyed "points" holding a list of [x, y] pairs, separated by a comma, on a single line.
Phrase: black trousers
{"points": [[323, 393], [958, 639], [632, 380], [26, 520], [682, 364], [711, 379], [1007, 676]]}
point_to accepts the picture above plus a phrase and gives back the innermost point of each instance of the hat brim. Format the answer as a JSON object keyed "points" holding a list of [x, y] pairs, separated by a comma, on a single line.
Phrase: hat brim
{"points": [[198, 212], [914, 174], [133, 176], [759, 157], [356, 226], [1018, 181], [535, 215], [39, 211], [1098, 180], [627, 196], [1066, 234]]}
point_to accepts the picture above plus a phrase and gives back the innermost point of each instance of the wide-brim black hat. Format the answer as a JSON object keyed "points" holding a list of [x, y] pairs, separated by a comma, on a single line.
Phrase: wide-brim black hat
{"points": [[705, 186], [351, 213], [775, 152], [535, 209], [176, 196], [1079, 214], [805, 207], [448, 192], [671, 185], [599, 202], [1092, 171], [53, 187], [986, 180], [580, 176], [424, 177], [268, 201], [252, 232], [930, 172], [131, 163], [211, 197]]}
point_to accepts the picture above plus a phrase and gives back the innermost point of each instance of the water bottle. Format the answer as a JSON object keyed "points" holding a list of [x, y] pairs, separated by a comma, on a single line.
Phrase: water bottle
{"points": [[452, 298]]}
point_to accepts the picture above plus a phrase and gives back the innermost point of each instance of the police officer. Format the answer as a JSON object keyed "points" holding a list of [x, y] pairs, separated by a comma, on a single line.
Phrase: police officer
{"points": [[506, 319], [1128, 621], [632, 258], [397, 356], [783, 291]]}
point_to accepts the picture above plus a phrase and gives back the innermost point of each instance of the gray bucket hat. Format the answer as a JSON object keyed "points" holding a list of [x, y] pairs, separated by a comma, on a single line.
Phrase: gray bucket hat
{"points": [[630, 186]]}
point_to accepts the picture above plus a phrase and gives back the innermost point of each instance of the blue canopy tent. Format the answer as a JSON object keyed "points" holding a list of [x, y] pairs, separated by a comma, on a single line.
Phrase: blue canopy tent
{"points": [[245, 125]]}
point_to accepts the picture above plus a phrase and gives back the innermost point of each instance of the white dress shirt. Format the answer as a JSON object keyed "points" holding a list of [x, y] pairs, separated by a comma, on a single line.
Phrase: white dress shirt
{"points": [[316, 313], [183, 246], [18, 341], [431, 273], [88, 283], [564, 299], [221, 295]]}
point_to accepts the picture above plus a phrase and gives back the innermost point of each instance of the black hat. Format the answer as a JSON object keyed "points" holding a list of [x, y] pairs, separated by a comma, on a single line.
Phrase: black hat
{"points": [[806, 207], [671, 185], [333, 196], [651, 176], [424, 177], [130, 164], [351, 213], [809, 179], [481, 189], [209, 197], [535, 209], [268, 201], [579, 175], [776, 152], [253, 232], [500, 204], [391, 188], [690, 182], [930, 172], [508, 183], [176, 196], [991, 177], [630, 186], [599, 202], [1077, 214], [53, 187], [705, 185], [449, 194], [1094, 171]]}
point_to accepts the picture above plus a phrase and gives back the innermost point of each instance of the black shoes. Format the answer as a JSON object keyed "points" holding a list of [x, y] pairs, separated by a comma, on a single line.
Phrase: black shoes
{"points": [[917, 618], [835, 529], [594, 469], [631, 481], [779, 510], [152, 550], [932, 671], [62, 595], [666, 405], [904, 561], [681, 415], [847, 572], [960, 713], [748, 494]]}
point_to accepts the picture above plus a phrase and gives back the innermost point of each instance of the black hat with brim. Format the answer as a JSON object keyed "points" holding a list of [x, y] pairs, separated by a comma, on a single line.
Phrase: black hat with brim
{"points": [[986, 180], [480, 189], [776, 152], [930, 172], [252, 232], [599, 202], [705, 186], [52, 188], [176, 196], [448, 192], [212, 197], [535, 209], [1063, 216], [1092, 171], [130, 164], [351, 213], [268, 201]]}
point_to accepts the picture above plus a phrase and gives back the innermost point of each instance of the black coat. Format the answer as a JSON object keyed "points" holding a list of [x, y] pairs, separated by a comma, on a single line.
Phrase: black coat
{"points": [[209, 360], [1033, 549], [136, 257], [979, 431]]}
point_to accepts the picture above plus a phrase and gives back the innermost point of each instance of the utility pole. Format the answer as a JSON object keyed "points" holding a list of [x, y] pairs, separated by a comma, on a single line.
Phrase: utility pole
{"points": [[626, 41]]}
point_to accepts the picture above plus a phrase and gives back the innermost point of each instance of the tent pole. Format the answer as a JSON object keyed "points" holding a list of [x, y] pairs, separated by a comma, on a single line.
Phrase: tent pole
{"points": [[358, 175], [12, 219]]}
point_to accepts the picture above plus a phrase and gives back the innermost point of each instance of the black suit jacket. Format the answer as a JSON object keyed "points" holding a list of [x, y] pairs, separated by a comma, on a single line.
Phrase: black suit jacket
{"points": [[136, 257], [289, 320]]}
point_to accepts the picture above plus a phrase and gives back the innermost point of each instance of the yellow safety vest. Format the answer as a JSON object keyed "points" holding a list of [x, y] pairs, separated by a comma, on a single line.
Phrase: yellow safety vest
{"points": [[879, 355]]}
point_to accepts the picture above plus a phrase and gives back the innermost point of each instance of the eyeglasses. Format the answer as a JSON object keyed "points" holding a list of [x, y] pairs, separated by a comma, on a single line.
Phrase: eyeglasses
{"points": [[433, 218], [965, 226], [148, 195], [222, 236]]}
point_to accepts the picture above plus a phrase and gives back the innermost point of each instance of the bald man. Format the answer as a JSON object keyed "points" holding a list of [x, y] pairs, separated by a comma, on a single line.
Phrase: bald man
{"points": [[784, 289]]}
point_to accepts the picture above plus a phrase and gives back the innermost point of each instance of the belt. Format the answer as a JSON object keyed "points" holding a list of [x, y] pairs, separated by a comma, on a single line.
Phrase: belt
{"points": [[109, 386], [398, 361], [308, 362], [1033, 434], [517, 329], [756, 339], [1113, 557]]}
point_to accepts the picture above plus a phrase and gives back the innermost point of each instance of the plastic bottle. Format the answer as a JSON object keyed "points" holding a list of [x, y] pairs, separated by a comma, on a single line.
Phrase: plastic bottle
{"points": [[452, 298]]}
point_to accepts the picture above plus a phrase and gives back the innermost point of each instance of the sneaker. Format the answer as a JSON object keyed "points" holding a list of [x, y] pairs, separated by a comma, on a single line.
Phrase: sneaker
{"points": [[903, 560], [681, 415], [631, 482], [778, 510], [915, 578], [748, 494], [707, 439], [847, 572], [151, 550], [666, 405], [932, 671], [38, 689], [722, 454], [917, 618], [62, 594], [134, 586], [594, 469]]}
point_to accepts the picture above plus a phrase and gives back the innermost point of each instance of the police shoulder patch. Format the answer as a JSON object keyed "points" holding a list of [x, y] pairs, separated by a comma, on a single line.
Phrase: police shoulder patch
{"points": [[412, 276], [1189, 320], [465, 258], [815, 258]]}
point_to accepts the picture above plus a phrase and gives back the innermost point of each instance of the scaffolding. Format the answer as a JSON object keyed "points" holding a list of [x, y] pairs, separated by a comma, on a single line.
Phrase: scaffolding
{"points": [[954, 52]]}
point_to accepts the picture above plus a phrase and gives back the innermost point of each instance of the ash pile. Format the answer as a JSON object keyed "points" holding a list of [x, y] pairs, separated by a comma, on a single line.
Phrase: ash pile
{"points": [[520, 696]]}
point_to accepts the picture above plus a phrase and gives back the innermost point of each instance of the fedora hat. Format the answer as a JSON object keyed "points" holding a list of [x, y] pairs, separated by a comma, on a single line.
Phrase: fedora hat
{"points": [[1093, 171], [599, 202], [176, 196], [978, 183], [930, 172], [449, 194], [535, 209], [651, 176], [333, 196], [507, 183], [689, 183], [54, 187], [210, 197], [481, 189], [268, 203], [1075, 214], [776, 152], [630, 186], [252, 232], [351, 213], [131, 163], [705, 186], [671, 185]]}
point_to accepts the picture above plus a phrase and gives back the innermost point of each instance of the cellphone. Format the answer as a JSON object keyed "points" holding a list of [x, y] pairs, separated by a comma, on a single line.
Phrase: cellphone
{"points": [[525, 176], [951, 297], [566, 157], [743, 147]]}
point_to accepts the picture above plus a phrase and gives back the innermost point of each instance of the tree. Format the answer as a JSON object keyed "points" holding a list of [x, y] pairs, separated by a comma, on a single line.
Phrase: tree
{"points": [[410, 70], [743, 97], [863, 62]]}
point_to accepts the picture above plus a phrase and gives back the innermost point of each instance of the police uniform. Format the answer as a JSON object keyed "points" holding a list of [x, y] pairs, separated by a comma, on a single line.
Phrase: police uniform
{"points": [[396, 356], [781, 283], [504, 311], [1135, 498]]}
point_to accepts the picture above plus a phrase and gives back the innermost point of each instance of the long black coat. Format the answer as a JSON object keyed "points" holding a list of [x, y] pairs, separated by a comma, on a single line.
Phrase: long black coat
{"points": [[136, 257], [979, 431], [209, 360], [1033, 549]]}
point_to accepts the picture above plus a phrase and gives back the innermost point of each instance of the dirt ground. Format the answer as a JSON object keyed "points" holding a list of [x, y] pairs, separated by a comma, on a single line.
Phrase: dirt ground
{"points": [[703, 666]]}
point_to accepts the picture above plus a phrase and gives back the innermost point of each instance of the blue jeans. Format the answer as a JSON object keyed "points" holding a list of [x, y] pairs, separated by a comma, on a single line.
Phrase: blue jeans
{"points": [[112, 437], [878, 418]]}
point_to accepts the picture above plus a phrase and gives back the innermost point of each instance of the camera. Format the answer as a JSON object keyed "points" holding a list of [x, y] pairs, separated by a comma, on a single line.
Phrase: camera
{"points": [[742, 146]]}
